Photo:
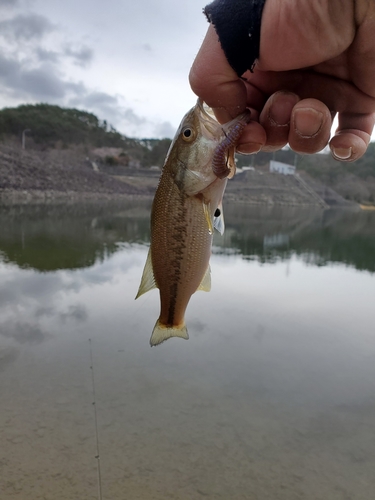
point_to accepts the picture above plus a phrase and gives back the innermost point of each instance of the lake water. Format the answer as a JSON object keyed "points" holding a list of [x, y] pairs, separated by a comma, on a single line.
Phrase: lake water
{"points": [[272, 397]]}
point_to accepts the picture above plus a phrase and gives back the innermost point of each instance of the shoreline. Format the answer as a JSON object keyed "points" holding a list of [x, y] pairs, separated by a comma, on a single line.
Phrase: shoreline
{"points": [[25, 197], [10, 197]]}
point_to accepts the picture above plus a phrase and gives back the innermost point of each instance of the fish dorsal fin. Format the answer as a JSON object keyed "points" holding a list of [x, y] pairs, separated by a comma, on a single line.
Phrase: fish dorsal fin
{"points": [[205, 284], [207, 215], [219, 220], [148, 279]]}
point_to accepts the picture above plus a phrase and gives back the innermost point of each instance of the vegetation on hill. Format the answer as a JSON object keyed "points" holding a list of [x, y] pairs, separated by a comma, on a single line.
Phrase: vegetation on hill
{"points": [[51, 126], [328, 170], [354, 181], [321, 166]]}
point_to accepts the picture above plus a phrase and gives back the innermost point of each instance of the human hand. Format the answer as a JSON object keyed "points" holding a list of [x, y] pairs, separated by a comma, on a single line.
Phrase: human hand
{"points": [[317, 59]]}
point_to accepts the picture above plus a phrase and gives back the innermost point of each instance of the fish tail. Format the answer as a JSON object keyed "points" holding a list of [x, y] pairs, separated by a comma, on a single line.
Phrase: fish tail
{"points": [[162, 332]]}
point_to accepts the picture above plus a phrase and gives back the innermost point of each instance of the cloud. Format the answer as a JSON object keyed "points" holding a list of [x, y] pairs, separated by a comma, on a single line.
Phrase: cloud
{"points": [[133, 118], [100, 100], [8, 67], [125, 119], [164, 129], [110, 50], [23, 333], [34, 72], [109, 107], [41, 83], [46, 83], [47, 55], [78, 313], [44, 312], [81, 57], [7, 356], [26, 27], [102, 104], [8, 3]]}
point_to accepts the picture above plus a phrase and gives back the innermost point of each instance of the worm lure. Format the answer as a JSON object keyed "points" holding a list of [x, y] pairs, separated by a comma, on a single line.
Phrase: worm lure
{"points": [[219, 161]]}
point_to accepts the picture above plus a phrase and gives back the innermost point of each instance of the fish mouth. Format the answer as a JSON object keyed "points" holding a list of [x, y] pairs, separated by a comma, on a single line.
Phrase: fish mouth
{"points": [[211, 128]]}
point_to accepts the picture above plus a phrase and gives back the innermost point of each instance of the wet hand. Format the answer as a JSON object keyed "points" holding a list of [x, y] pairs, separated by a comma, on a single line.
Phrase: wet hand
{"points": [[315, 61]]}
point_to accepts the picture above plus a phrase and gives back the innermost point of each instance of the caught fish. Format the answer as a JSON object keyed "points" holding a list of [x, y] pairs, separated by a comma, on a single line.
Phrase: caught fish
{"points": [[186, 209]]}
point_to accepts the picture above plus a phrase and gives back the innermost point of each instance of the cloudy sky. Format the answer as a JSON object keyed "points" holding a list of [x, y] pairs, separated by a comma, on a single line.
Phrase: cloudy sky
{"points": [[127, 61]]}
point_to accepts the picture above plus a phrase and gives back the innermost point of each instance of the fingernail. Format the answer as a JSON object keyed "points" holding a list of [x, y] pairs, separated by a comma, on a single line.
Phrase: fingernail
{"points": [[307, 121], [281, 108], [341, 153], [249, 148]]}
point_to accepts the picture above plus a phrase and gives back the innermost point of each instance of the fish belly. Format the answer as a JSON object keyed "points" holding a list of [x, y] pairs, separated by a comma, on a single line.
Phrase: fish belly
{"points": [[180, 250]]}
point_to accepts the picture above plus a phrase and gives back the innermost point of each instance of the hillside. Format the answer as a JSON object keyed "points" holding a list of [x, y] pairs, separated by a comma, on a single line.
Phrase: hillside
{"points": [[62, 147], [45, 126], [71, 151], [30, 174], [353, 181], [259, 187]]}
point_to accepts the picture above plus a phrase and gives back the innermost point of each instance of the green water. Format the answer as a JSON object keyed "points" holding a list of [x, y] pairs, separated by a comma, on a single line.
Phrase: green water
{"points": [[273, 396]]}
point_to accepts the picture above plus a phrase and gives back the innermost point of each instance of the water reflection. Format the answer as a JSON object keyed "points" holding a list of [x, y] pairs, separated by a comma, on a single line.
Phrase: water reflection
{"points": [[319, 237], [50, 237], [72, 237], [273, 396]]}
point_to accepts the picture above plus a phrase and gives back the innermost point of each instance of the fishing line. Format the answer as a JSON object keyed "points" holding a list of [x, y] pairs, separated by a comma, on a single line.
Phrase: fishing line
{"points": [[97, 456]]}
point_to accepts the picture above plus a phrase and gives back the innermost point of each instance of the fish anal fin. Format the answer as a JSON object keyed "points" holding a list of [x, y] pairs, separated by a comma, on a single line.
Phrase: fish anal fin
{"points": [[219, 220], [205, 284], [148, 279], [161, 333]]}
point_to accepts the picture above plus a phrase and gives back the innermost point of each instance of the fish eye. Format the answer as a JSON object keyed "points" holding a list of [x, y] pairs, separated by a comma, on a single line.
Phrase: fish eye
{"points": [[217, 212], [188, 134]]}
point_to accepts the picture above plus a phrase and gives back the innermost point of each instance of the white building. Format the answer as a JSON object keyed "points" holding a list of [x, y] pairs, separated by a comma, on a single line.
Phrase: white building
{"points": [[282, 168]]}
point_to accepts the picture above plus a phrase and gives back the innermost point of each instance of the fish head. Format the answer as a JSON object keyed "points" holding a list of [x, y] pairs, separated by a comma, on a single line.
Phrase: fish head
{"points": [[191, 154]]}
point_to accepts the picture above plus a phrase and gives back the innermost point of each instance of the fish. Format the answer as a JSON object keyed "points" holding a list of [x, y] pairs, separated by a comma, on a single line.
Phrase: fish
{"points": [[186, 208]]}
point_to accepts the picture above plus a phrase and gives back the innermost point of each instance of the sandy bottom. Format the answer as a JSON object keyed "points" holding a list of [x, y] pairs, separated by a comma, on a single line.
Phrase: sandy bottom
{"points": [[168, 437]]}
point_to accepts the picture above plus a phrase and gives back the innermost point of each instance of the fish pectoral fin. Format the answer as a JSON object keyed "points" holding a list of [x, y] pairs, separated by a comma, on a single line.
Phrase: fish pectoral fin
{"points": [[205, 284], [219, 220], [207, 215], [148, 279], [161, 333]]}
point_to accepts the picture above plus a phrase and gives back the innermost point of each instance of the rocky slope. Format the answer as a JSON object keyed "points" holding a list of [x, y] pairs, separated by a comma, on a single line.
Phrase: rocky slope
{"points": [[29, 174]]}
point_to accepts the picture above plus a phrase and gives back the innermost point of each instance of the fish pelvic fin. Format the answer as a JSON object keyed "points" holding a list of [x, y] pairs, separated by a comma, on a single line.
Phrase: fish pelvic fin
{"points": [[148, 279], [205, 284], [162, 332]]}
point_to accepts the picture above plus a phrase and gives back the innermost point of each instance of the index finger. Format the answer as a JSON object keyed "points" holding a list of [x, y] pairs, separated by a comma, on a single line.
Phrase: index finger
{"points": [[213, 80]]}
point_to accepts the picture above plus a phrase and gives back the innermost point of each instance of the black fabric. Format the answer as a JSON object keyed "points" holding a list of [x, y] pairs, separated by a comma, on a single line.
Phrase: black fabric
{"points": [[237, 23]]}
